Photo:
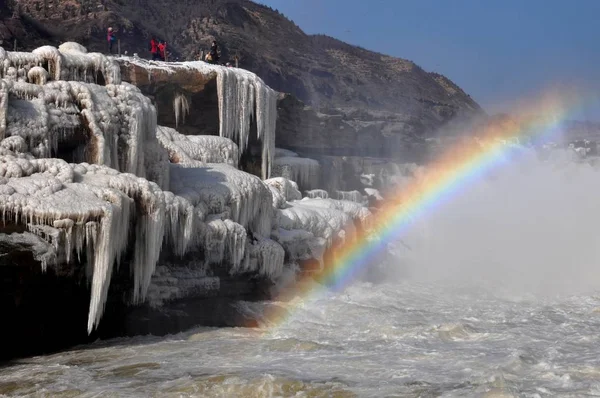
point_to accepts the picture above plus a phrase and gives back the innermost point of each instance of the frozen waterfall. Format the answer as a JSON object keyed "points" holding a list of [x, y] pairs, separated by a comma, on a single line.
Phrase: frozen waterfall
{"points": [[85, 168]]}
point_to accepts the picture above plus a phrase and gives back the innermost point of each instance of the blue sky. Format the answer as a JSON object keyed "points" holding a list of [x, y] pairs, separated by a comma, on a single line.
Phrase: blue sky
{"points": [[498, 51]]}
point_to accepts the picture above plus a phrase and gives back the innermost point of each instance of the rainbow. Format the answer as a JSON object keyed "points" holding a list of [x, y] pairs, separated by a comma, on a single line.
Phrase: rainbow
{"points": [[463, 164]]}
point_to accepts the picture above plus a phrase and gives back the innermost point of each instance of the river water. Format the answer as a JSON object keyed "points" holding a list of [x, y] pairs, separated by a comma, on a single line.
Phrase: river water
{"points": [[395, 340], [494, 294]]}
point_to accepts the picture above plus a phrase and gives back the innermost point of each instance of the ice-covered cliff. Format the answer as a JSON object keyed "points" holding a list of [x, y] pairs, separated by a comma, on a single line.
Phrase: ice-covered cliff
{"points": [[89, 183], [244, 100]]}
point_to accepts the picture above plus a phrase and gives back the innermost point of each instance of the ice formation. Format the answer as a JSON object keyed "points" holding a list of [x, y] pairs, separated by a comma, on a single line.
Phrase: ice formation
{"points": [[317, 194], [69, 62], [367, 179], [222, 189], [359, 214], [191, 149], [223, 241], [373, 194], [171, 282], [353, 196], [181, 108], [88, 210], [242, 97], [265, 257], [323, 222], [280, 153], [308, 227], [287, 189], [113, 125], [122, 189], [42, 192], [304, 171]]}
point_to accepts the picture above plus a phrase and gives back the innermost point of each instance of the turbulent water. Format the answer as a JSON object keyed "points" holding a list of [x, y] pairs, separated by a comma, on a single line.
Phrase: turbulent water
{"points": [[492, 294]]}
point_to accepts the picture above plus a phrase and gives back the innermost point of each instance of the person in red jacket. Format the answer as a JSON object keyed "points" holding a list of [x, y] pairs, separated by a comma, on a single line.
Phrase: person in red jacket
{"points": [[162, 50], [154, 49]]}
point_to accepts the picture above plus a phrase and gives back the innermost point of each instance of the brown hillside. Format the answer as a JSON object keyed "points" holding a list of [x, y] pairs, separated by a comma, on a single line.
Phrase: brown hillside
{"points": [[319, 70]]}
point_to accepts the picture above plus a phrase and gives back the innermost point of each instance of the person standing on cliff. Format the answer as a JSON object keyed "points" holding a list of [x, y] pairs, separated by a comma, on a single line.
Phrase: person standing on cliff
{"points": [[110, 38], [154, 49], [214, 53], [162, 50]]}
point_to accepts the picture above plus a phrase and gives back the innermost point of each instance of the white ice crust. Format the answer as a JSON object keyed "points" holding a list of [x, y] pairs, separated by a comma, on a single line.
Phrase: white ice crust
{"points": [[242, 96], [85, 168]]}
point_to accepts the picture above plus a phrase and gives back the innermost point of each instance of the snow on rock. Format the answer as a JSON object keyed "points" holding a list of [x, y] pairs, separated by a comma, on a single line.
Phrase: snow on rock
{"points": [[90, 207], [280, 153], [41, 191], [149, 222], [302, 170], [287, 189], [317, 194], [113, 196], [300, 244], [242, 97], [367, 179], [308, 227], [191, 149], [224, 241], [138, 131], [37, 75], [15, 144], [69, 62], [359, 213], [323, 222], [72, 47], [352, 196], [374, 194], [279, 201], [265, 257], [113, 125], [222, 189]]}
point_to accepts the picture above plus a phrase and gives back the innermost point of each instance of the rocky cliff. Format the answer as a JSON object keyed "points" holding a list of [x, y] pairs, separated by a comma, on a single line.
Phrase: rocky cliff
{"points": [[394, 99], [106, 212]]}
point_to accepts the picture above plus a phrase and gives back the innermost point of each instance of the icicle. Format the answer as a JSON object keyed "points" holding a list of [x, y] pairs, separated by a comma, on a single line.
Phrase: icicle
{"points": [[353, 196], [54, 59], [181, 107], [317, 194], [149, 231], [180, 224], [225, 189], [3, 106], [265, 257], [191, 149], [239, 94], [224, 241], [111, 241], [37, 75]]}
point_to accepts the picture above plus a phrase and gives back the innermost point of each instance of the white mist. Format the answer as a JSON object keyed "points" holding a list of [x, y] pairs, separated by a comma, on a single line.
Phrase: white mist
{"points": [[529, 226]]}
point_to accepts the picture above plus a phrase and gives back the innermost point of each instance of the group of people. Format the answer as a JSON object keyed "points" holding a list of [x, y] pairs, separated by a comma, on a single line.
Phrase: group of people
{"points": [[158, 49]]}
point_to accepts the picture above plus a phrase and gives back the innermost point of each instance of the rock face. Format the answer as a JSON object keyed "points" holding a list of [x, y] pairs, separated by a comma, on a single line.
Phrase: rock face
{"points": [[162, 85], [303, 129], [392, 95], [149, 229]]}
